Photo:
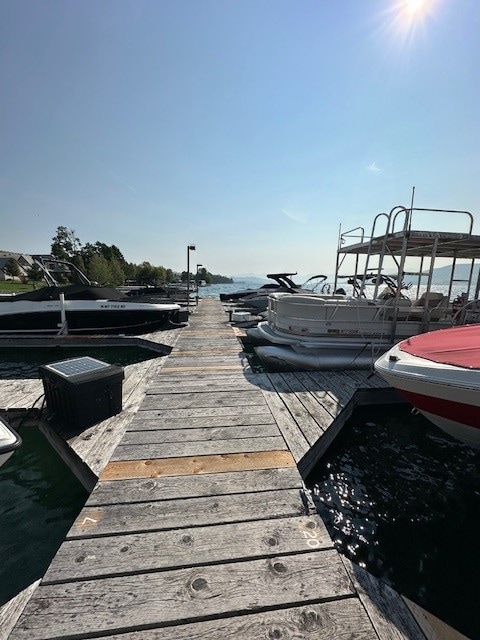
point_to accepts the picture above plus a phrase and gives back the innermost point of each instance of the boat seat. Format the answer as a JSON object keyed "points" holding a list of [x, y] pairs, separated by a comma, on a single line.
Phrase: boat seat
{"points": [[434, 299], [388, 308], [438, 307]]}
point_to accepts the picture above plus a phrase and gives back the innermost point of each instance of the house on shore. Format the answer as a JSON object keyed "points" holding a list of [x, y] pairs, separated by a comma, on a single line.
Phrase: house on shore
{"points": [[23, 260]]}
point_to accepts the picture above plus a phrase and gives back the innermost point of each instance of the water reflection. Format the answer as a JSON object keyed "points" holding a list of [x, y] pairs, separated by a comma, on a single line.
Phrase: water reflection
{"points": [[402, 499], [39, 500]]}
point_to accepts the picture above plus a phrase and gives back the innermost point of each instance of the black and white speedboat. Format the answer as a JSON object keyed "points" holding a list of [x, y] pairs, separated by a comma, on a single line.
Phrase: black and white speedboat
{"points": [[257, 299], [83, 308]]}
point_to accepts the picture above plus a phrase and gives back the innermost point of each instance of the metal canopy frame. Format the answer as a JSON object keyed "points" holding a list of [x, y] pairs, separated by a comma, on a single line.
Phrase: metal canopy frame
{"points": [[420, 244], [408, 242]]}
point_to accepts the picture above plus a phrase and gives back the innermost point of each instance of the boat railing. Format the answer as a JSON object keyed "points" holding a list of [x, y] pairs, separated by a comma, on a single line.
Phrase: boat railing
{"points": [[410, 217], [357, 233], [397, 211], [468, 313]]}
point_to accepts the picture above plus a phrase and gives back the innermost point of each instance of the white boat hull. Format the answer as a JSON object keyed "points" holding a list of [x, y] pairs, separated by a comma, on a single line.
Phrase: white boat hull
{"points": [[9, 442], [447, 395]]}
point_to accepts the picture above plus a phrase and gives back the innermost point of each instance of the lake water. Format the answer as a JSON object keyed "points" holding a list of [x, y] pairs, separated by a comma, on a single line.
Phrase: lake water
{"points": [[402, 499], [39, 500]]}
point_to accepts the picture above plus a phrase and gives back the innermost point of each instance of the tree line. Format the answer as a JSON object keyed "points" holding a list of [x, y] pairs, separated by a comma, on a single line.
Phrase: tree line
{"points": [[106, 264]]}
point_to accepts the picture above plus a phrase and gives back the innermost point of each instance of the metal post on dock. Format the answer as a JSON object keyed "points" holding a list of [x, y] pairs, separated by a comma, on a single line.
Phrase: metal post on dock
{"points": [[190, 247], [63, 326]]}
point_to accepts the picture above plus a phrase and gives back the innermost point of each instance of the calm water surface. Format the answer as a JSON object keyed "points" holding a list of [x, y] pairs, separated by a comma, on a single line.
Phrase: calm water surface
{"points": [[402, 499], [39, 500]]}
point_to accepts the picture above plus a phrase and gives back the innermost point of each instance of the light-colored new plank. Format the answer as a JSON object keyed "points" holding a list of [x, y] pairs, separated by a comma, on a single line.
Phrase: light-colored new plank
{"points": [[122, 470]]}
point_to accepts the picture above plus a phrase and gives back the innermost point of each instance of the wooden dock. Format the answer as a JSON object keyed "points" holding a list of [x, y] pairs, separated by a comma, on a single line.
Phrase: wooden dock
{"points": [[200, 525]]}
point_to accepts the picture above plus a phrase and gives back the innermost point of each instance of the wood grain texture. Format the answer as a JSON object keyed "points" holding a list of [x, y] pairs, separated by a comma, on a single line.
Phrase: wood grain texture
{"points": [[160, 436], [195, 546], [122, 603], [141, 422], [198, 412], [295, 397], [191, 486], [168, 514], [198, 448], [296, 441], [11, 611], [195, 465], [433, 627], [208, 545], [206, 399], [338, 620]]}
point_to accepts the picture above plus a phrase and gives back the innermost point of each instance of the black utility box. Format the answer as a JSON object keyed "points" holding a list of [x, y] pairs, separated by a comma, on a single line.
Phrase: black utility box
{"points": [[82, 391]]}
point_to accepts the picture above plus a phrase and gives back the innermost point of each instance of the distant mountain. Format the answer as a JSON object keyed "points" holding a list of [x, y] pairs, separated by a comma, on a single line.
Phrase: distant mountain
{"points": [[250, 277], [441, 275]]}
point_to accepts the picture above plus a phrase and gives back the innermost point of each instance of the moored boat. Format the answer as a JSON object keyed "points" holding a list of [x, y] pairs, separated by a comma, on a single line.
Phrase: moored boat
{"points": [[83, 308], [9, 441], [439, 374], [257, 299], [339, 331]]}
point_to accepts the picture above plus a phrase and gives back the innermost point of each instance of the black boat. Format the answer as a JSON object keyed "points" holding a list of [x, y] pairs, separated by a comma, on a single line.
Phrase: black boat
{"points": [[258, 298], [83, 308]]}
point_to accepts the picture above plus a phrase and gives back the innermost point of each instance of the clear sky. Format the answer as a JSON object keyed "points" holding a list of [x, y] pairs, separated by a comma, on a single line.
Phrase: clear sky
{"points": [[251, 128]]}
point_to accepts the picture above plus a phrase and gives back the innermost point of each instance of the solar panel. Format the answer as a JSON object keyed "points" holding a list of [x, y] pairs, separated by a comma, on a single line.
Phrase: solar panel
{"points": [[76, 366]]}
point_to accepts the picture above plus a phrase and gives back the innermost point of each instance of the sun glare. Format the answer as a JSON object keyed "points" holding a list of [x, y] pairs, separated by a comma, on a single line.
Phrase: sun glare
{"points": [[414, 6]]}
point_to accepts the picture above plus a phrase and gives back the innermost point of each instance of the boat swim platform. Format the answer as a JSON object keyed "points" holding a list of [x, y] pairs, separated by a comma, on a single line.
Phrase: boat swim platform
{"points": [[200, 525]]}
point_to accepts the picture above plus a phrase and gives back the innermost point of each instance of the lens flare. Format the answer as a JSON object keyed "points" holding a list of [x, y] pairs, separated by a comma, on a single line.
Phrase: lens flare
{"points": [[414, 6]]}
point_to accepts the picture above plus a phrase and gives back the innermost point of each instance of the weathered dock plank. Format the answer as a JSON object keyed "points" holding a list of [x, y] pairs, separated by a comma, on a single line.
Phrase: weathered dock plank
{"points": [[295, 439], [136, 553], [168, 514], [390, 615], [161, 436], [19, 394], [11, 611], [198, 448], [138, 601], [338, 620], [142, 423], [191, 486], [206, 399], [294, 397], [197, 412]]}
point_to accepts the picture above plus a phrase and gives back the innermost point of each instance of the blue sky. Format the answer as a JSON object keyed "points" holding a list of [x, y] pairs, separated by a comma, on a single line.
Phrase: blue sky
{"points": [[250, 128]]}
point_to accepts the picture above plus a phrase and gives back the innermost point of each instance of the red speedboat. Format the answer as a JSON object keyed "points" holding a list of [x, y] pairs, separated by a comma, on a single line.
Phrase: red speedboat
{"points": [[439, 373]]}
